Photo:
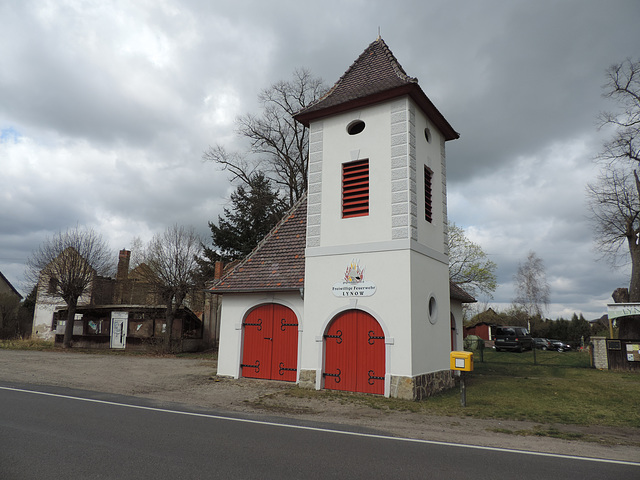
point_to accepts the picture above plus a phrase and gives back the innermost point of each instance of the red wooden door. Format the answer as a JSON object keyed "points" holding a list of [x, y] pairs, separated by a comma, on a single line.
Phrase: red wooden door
{"points": [[355, 354], [270, 349], [284, 353]]}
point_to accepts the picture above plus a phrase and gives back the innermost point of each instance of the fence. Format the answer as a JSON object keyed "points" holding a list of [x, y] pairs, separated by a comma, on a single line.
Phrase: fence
{"points": [[577, 359]]}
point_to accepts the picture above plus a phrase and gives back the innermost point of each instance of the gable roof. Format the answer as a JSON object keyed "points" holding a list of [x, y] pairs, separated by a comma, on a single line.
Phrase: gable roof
{"points": [[11, 288], [375, 76], [277, 262]]}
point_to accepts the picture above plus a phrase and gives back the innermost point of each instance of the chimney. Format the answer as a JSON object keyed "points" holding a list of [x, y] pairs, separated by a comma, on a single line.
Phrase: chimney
{"points": [[123, 265], [219, 269]]}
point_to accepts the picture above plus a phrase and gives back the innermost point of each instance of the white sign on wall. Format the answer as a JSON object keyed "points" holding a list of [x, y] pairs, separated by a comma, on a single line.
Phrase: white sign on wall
{"points": [[119, 324], [616, 310], [354, 284]]}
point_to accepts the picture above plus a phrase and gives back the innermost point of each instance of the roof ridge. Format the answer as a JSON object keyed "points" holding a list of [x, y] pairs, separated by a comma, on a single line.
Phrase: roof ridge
{"points": [[395, 63]]}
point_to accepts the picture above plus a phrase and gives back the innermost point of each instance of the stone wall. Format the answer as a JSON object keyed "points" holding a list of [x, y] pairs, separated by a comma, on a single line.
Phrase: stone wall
{"points": [[307, 379], [599, 352], [422, 386]]}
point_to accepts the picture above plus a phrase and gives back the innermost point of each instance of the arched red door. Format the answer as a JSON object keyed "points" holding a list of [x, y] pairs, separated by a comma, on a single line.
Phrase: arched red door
{"points": [[355, 354], [270, 343]]}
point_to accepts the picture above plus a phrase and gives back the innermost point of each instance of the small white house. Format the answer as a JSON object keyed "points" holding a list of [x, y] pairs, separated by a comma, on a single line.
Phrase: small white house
{"points": [[351, 290]]}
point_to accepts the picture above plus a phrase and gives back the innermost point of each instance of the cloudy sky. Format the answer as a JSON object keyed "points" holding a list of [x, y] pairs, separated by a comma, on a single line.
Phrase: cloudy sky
{"points": [[107, 106]]}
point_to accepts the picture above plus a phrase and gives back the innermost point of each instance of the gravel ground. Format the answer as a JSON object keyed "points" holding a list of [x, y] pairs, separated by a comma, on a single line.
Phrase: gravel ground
{"points": [[194, 382]]}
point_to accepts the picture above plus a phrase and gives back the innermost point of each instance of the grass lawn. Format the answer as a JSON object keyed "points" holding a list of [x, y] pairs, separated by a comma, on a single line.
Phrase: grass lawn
{"points": [[546, 394], [523, 391]]}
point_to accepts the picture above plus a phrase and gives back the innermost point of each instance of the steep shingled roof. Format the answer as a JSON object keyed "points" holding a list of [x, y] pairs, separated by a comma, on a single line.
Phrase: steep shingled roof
{"points": [[277, 262], [374, 77]]}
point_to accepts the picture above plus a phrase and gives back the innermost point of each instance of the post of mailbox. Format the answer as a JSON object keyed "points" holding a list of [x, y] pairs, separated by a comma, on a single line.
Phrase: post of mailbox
{"points": [[462, 362]]}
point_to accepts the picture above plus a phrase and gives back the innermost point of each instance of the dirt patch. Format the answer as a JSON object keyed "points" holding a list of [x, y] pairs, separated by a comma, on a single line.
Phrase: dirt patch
{"points": [[194, 382]]}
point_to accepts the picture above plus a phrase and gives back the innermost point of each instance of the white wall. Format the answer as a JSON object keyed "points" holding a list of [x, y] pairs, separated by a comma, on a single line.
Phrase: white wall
{"points": [[339, 147], [456, 311], [430, 154], [402, 253], [235, 308], [390, 304], [45, 307], [431, 342]]}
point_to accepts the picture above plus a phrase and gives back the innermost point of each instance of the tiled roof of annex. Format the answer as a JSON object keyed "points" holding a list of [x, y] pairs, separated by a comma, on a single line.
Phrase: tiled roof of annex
{"points": [[277, 262], [376, 75]]}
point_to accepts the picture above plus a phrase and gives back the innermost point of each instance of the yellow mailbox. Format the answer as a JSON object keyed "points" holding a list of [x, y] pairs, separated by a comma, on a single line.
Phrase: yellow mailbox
{"points": [[462, 361]]}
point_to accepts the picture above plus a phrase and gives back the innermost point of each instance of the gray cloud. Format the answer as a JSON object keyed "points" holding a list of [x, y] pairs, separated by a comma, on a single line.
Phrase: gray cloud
{"points": [[108, 108]]}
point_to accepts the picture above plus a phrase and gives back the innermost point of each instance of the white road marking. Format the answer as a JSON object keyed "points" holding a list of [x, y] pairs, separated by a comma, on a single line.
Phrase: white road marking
{"points": [[325, 430]]}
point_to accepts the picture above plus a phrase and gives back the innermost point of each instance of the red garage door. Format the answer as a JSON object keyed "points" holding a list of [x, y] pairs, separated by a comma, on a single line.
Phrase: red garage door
{"points": [[270, 349], [355, 354]]}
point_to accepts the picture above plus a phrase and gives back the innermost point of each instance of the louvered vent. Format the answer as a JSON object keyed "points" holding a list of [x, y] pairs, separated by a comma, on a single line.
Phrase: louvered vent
{"points": [[428, 211], [355, 189]]}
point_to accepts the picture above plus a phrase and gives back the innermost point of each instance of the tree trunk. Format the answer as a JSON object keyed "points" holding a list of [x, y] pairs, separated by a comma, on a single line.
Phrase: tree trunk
{"points": [[168, 333], [71, 317], [629, 327]]}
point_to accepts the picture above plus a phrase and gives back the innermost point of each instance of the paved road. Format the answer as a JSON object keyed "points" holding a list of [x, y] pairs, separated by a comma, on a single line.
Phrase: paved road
{"points": [[68, 434]]}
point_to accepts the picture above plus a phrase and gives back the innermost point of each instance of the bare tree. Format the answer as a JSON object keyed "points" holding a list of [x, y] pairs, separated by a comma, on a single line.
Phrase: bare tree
{"points": [[137, 252], [615, 213], [469, 266], [66, 265], [623, 86], [279, 146], [532, 288], [614, 199], [173, 270]]}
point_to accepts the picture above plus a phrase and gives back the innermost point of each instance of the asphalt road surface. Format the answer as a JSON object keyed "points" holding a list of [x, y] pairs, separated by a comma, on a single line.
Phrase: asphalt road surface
{"points": [[68, 434]]}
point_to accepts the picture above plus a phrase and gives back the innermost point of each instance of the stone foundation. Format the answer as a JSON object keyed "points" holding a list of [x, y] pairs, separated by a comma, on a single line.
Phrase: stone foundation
{"points": [[307, 379], [422, 386]]}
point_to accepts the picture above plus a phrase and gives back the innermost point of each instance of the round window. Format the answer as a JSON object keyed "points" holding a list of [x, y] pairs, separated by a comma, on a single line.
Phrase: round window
{"points": [[433, 310], [355, 127], [427, 134]]}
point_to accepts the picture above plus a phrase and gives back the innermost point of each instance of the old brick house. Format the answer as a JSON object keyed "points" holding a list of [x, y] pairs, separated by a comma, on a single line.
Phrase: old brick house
{"points": [[120, 312]]}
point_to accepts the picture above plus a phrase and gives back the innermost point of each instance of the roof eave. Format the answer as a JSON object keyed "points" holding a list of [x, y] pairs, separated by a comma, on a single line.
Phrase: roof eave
{"points": [[222, 291], [412, 89]]}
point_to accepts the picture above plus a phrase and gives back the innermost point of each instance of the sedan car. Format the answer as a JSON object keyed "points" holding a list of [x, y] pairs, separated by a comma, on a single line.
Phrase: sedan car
{"points": [[542, 344], [559, 345]]}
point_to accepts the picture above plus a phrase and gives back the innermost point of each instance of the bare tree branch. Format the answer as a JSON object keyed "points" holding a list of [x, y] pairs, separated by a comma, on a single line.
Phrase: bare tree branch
{"points": [[278, 145]]}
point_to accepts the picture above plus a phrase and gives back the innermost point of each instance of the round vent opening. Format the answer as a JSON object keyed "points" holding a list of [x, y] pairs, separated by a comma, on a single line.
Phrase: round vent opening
{"points": [[355, 127], [433, 310]]}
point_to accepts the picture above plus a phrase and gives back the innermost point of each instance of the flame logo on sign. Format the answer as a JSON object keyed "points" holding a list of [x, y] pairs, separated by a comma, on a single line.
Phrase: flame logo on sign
{"points": [[354, 274]]}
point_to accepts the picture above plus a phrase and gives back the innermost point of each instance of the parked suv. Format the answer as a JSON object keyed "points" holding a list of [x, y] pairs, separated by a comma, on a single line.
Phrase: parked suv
{"points": [[512, 338]]}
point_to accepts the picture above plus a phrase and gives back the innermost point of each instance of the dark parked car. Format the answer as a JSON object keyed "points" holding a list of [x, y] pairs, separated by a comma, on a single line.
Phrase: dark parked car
{"points": [[512, 338], [559, 345], [542, 344]]}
